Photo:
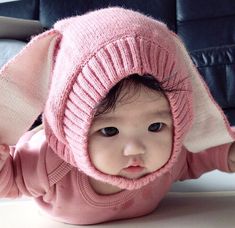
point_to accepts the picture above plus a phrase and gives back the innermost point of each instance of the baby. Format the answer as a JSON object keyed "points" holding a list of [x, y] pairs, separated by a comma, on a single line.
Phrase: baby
{"points": [[125, 115]]}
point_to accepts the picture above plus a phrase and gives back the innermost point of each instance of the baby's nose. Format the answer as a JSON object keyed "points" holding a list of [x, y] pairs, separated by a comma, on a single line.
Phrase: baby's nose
{"points": [[134, 148]]}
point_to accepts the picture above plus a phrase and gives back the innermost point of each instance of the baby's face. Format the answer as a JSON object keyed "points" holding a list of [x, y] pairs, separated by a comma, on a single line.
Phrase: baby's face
{"points": [[135, 139]]}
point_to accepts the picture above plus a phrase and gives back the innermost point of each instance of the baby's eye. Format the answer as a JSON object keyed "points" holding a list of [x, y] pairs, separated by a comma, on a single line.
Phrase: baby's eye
{"points": [[155, 127], [109, 131]]}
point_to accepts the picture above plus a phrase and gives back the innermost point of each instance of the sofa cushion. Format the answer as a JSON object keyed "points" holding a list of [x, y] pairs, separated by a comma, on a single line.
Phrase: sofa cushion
{"points": [[207, 28], [27, 9], [203, 24], [9, 48], [20, 29], [51, 11], [217, 66]]}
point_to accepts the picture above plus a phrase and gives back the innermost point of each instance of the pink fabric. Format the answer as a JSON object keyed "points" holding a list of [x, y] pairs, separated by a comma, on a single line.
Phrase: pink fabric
{"points": [[24, 84], [66, 195], [126, 42], [53, 166], [74, 65]]}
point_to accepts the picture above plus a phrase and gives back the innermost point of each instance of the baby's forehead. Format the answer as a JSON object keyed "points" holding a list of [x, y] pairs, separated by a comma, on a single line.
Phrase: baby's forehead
{"points": [[142, 107], [133, 96]]}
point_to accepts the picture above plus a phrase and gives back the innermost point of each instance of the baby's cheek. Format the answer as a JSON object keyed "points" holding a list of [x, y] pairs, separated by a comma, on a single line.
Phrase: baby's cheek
{"points": [[105, 155], [110, 163], [106, 161]]}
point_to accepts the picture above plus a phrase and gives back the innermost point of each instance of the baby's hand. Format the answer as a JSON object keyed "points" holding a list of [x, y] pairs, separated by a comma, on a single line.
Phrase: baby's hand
{"points": [[4, 154], [231, 158]]}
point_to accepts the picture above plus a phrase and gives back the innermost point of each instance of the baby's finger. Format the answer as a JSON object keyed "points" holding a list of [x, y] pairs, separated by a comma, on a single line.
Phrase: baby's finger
{"points": [[4, 147], [4, 152]]}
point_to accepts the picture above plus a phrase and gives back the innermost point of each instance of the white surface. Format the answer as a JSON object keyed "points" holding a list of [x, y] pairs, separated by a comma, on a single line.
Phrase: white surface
{"points": [[209, 182], [178, 210]]}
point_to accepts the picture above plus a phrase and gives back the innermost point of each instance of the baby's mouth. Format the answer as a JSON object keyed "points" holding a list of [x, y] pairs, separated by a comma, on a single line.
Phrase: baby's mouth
{"points": [[134, 169]]}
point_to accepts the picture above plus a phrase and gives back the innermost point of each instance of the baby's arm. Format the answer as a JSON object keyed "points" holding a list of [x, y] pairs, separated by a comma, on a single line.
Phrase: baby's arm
{"points": [[211, 159], [4, 155], [8, 187], [231, 157], [5, 149], [22, 168]]}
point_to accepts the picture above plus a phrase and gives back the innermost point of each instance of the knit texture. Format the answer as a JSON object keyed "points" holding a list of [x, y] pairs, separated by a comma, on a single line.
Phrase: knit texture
{"points": [[24, 84], [71, 68], [122, 43]]}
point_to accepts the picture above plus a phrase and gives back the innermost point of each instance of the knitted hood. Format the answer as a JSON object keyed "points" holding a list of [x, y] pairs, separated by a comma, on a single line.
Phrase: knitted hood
{"points": [[72, 67]]}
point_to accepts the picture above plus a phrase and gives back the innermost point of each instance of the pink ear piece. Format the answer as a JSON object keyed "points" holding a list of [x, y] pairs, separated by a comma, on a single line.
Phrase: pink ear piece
{"points": [[24, 85], [67, 71], [2, 147], [99, 49], [4, 153]]}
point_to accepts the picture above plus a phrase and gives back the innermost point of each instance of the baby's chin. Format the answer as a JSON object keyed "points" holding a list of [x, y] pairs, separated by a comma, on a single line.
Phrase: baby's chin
{"points": [[133, 174]]}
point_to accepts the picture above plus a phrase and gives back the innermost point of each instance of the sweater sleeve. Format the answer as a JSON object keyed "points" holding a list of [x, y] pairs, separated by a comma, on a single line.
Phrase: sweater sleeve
{"points": [[211, 159], [25, 171]]}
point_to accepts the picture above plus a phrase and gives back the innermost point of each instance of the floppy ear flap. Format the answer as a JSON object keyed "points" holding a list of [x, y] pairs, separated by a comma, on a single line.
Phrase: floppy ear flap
{"points": [[24, 86], [210, 126]]}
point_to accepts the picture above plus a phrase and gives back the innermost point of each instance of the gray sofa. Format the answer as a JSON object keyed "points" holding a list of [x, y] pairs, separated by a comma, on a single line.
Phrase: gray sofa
{"points": [[14, 34]]}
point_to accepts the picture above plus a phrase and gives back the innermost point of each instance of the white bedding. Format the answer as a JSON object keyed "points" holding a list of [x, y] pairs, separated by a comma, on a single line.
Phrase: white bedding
{"points": [[202, 210], [203, 203]]}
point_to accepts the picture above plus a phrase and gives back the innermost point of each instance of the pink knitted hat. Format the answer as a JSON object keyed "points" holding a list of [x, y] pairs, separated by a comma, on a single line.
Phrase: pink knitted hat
{"points": [[83, 57]]}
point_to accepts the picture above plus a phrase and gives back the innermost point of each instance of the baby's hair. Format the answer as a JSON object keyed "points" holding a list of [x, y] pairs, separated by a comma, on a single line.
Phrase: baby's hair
{"points": [[135, 82]]}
